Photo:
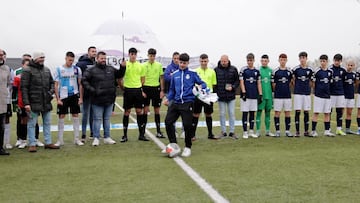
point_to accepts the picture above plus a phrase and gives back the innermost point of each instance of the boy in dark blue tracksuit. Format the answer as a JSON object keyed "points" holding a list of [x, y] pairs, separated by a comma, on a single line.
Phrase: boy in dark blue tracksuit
{"points": [[181, 98]]}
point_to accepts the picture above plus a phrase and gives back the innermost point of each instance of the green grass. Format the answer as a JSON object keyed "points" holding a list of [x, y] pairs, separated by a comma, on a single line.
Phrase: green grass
{"points": [[302, 169]]}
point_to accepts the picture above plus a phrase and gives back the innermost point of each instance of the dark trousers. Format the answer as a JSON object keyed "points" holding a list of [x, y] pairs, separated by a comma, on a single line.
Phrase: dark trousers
{"points": [[174, 111], [2, 129]]}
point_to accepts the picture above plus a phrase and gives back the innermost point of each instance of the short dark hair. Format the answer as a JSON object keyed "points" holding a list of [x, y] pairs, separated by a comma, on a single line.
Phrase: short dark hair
{"points": [[282, 56], [100, 53], [265, 56], [28, 55], [91, 47], [204, 56], [338, 57], [250, 56], [175, 53], [184, 57], [324, 57], [132, 50], [152, 51], [303, 54], [24, 61], [70, 54]]}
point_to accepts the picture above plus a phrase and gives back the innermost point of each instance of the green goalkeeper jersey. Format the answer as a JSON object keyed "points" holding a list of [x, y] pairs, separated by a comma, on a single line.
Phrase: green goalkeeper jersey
{"points": [[265, 73]]}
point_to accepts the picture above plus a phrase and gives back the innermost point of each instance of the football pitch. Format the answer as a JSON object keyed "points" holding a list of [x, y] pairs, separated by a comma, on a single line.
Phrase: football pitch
{"points": [[266, 169]]}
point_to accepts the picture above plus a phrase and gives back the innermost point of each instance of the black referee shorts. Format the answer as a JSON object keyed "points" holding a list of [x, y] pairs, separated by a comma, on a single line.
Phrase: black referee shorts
{"points": [[133, 98], [153, 95]]}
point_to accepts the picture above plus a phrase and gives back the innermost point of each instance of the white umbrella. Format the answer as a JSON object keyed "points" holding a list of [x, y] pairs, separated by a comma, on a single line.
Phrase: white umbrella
{"points": [[131, 32]]}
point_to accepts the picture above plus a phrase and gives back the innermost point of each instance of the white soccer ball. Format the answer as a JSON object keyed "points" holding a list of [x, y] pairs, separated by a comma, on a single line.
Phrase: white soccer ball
{"points": [[172, 150]]}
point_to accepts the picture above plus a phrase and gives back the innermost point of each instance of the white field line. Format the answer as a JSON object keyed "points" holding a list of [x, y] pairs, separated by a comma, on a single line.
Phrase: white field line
{"points": [[203, 184]]}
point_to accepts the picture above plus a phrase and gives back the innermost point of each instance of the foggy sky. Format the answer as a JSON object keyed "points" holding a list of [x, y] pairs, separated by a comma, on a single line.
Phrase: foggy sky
{"points": [[214, 27]]}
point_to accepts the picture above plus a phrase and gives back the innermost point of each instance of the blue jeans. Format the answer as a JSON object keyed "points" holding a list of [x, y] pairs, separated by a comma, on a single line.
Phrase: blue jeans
{"points": [[230, 105], [101, 114], [46, 116], [86, 116]]}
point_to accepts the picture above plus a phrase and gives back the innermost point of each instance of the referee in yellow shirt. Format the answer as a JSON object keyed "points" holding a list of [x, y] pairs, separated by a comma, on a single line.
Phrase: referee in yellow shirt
{"points": [[153, 88], [133, 76], [207, 75]]}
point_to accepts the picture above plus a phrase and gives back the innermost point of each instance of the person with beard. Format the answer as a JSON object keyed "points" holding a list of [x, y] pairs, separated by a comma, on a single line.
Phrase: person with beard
{"points": [[18, 107], [4, 85], [86, 61], [37, 87], [99, 82]]}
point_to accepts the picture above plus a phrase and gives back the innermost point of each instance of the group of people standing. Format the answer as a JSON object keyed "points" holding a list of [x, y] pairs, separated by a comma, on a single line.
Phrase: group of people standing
{"points": [[264, 89], [91, 84]]}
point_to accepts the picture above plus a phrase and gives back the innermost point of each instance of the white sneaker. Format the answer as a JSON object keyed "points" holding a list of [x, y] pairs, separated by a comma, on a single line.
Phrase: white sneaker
{"points": [[269, 134], [109, 141], [186, 152], [95, 142], [23, 144], [313, 134], [59, 143], [329, 134], [252, 134], [18, 142], [39, 143], [245, 135], [8, 146], [182, 136], [78, 142]]}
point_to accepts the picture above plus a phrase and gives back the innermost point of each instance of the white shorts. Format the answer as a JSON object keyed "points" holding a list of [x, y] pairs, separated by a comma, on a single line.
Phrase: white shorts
{"points": [[302, 102], [358, 101], [349, 103], [337, 101], [322, 105], [282, 104], [248, 105]]}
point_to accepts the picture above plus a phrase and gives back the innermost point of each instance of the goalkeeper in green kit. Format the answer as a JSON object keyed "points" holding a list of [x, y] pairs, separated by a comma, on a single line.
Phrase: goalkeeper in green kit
{"points": [[267, 100]]}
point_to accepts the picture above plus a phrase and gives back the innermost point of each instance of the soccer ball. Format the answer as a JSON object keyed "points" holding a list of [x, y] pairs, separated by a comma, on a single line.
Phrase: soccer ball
{"points": [[172, 150]]}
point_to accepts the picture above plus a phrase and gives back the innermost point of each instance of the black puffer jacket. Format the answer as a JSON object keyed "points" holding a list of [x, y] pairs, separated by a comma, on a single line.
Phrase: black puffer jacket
{"points": [[226, 75], [84, 63], [37, 87], [99, 81]]}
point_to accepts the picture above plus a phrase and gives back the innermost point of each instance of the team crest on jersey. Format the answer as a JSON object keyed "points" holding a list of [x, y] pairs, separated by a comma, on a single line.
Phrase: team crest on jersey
{"points": [[307, 72], [349, 81], [325, 80], [288, 73], [251, 79], [187, 76], [255, 73], [283, 80], [341, 72]]}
